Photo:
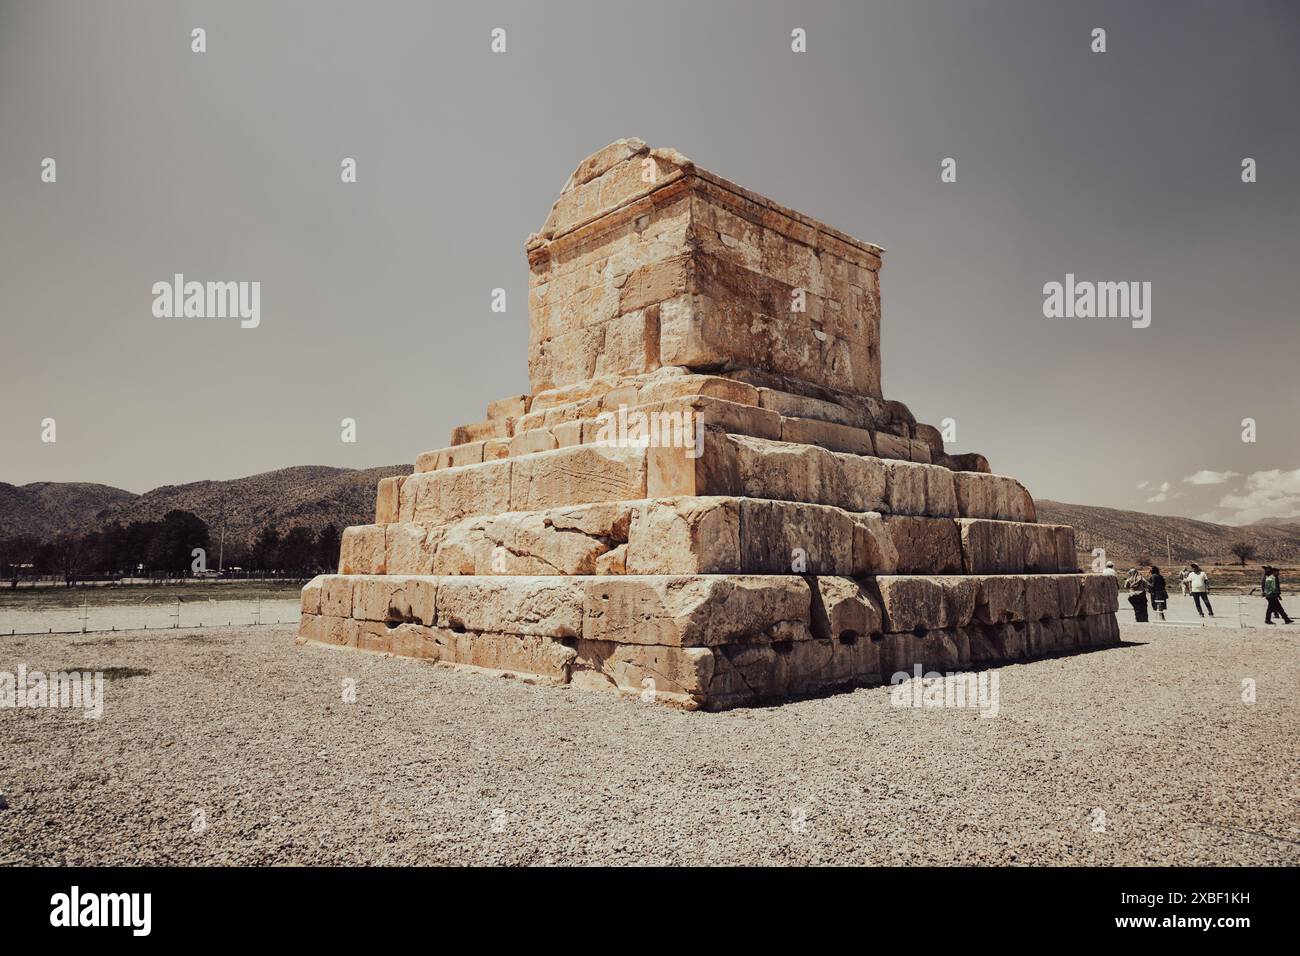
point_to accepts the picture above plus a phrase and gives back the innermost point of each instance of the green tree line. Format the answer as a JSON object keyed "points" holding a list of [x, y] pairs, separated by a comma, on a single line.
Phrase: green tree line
{"points": [[165, 549]]}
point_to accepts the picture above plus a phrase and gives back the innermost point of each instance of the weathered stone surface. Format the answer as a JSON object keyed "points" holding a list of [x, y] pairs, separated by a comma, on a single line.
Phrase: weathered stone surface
{"points": [[386, 499], [926, 545], [410, 548], [517, 543], [695, 611], [478, 431], [828, 435], [690, 535], [1001, 599], [991, 547], [1042, 597], [992, 496], [439, 497], [746, 283], [751, 674], [394, 599], [676, 675], [1049, 548], [924, 603], [311, 595], [1100, 595], [579, 475], [362, 550], [844, 610], [549, 606], [919, 489], [516, 406]]}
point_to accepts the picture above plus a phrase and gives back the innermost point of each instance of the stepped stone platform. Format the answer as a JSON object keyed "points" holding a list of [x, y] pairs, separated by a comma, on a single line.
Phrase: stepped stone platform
{"points": [[705, 497]]}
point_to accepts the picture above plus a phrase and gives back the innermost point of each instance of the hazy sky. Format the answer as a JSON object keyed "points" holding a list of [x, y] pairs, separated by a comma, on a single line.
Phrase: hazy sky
{"points": [[1118, 166]]}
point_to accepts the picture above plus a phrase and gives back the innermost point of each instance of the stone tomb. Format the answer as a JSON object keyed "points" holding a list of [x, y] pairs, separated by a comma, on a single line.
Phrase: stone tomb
{"points": [[803, 534]]}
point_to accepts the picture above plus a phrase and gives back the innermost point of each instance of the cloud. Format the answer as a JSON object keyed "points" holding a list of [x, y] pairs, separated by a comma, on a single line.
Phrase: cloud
{"points": [[1162, 494], [1143, 484], [1267, 494], [1211, 477]]}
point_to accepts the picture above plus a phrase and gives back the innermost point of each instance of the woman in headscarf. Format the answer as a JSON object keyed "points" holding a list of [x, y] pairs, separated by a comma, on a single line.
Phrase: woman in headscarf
{"points": [[1137, 585]]}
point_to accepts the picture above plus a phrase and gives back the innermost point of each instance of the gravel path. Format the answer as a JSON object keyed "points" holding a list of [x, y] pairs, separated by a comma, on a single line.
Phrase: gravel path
{"points": [[236, 747]]}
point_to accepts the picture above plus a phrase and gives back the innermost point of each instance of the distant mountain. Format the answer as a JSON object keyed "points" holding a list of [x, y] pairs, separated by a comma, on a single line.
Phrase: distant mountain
{"points": [[48, 508], [1277, 522], [1133, 534], [308, 495]]}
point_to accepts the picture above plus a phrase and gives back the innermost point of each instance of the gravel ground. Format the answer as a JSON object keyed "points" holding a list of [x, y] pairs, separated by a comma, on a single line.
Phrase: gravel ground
{"points": [[236, 747]]}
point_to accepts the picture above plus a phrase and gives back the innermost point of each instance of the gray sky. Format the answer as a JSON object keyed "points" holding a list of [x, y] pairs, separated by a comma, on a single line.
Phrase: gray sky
{"points": [[375, 296]]}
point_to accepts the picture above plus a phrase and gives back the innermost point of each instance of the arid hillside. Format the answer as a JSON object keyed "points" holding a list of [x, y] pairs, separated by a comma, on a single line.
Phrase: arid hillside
{"points": [[310, 496], [1131, 535]]}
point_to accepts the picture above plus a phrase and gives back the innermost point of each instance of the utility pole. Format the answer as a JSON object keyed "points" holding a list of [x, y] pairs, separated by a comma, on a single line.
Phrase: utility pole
{"points": [[1169, 555], [221, 548]]}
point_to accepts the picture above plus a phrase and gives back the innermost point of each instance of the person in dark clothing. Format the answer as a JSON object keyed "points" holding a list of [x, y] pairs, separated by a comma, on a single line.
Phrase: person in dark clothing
{"points": [[1272, 588], [1159, 592], [1137, 585]]}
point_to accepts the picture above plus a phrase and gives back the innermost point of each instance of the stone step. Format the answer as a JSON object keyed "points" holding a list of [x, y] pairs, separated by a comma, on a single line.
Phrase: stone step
{"points": [[726, 464], [706, 535], [690, 610], [670, 421], [701, 641], [574, 414]]}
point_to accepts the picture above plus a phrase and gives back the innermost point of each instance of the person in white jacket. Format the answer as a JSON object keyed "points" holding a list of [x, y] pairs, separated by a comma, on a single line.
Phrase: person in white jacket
{"points": [[1199, 583]]}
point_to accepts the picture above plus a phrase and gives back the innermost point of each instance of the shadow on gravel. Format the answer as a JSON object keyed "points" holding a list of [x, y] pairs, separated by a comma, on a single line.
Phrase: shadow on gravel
{"points": [[113, 673], [851, 687]]}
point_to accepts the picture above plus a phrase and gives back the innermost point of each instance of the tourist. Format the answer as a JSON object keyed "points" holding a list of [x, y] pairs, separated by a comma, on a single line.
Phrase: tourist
{"points": [[1182, 580], [1159, 593], [1199, 584], [1137, 587], [1110, 568], [1272, 590]]}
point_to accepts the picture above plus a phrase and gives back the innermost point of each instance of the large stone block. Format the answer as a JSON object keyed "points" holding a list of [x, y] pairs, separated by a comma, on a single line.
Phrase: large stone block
{"points": [[919, 489], [547, 606], [925, 545], [362, 550], [844, 610], [445, 495], [691, 535], [991, 547], [992, 496], [1001, 599], [578, 475], [695, 611], [915, 603]]}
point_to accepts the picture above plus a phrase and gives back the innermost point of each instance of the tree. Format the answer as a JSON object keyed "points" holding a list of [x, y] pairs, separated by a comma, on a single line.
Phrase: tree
{"points": [[1243, 551], [18, 557], [67, 553], [327, 548], [265, 548], [178, 535], [297, 552]]}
